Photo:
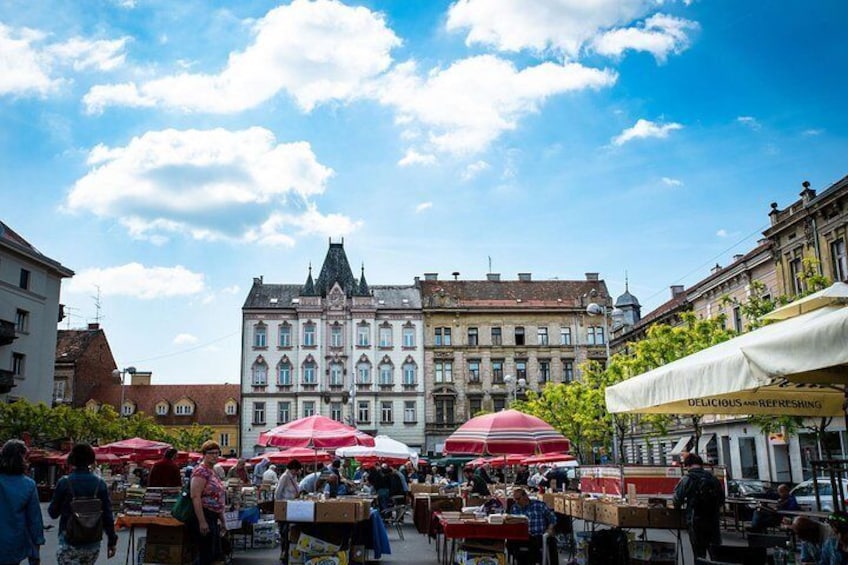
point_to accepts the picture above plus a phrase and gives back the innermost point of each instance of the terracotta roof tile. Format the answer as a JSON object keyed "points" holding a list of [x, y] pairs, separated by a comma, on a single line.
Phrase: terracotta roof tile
{"points": [[72, 344], [209, 401]]}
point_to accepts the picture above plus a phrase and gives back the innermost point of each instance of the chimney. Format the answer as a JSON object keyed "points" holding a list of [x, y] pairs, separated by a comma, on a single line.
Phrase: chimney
{"points": [[737, 257], [591, 276], [257, 280], [94, 326], [676, 290], [495, 277], [773, 215], [808, 193], [455, 275], [431, 276], [526, 277], [141, 378], [715, 269]]}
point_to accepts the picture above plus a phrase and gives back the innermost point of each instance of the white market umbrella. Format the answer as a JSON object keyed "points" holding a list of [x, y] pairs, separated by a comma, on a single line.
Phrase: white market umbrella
{"points": [[787, 368], [835, 294], [384, 448]]}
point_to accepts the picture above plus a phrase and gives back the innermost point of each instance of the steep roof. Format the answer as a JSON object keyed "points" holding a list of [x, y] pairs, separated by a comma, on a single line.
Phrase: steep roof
{"points": [[626, 299], [336, 269], [677, 302], [72, 344], [263, 295], [209, 401], [517, 294], [13, 241]]}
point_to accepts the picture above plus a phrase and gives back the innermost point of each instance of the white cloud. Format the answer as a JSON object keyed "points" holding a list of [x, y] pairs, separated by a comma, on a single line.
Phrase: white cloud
{"points": [[469, 104], [668, 181], [722, 233], [423, 206], [644, 129], [29, 63], [560, 25], [749, 121], [137, 281], [208, 185], [234, 289], [316, 51], [811, 132], [474, 169], [186, 339], [660, 35], [84, 54], [413, 157]]}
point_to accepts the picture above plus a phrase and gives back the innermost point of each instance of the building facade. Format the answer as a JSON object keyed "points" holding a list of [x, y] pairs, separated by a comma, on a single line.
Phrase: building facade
{"points": [[177, 407], [334, 346], [482, 337], [84, 361], [29, 313], [813, 226]]}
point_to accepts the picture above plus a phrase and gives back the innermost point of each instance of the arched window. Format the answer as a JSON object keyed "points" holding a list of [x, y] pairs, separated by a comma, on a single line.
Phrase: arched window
{"points": [[285, 335], [309, 334], [386, 377], [310, 370], [260, 336], [259, 373], [410, 373], [162, 408], [284, 372], [363, 371]]}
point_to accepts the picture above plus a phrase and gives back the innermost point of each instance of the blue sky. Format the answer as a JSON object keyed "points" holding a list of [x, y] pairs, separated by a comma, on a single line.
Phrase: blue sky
{"points": [[168, 152]]}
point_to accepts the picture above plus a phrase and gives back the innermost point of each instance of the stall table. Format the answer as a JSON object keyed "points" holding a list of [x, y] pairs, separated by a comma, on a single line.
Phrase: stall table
{"points": [[454, 529], [132, 522]]}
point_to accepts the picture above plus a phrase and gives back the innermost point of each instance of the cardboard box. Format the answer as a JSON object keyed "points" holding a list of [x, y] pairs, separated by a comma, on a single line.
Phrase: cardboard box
{"points": [[464, 557], [337, 511], [548, 499], [294, 511], [621, 515], [167, 554], [654, 552], [314, 546], [420, 488], [167, 535], [671, 518], [588, 509], [575, 506], [561, 504]]}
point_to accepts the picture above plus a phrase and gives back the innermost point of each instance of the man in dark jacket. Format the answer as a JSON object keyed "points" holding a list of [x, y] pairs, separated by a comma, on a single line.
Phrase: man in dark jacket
{"points": [[475, 483], [703, 496], [165, 472]]}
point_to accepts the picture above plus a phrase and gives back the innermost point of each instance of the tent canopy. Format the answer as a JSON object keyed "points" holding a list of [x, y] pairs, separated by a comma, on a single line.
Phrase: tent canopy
{"points": [[787, 368], [384, 448]]}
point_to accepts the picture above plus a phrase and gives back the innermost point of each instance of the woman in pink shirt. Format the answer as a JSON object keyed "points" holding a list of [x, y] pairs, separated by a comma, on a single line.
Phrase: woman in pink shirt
{"points": [[208, 496]]}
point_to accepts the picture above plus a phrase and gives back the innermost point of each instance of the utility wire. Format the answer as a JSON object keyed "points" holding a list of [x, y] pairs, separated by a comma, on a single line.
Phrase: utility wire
{"points": [[189, 350]]}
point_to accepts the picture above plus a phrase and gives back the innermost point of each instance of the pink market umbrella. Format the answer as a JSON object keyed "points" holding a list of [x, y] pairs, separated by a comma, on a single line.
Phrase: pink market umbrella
{"points": [[315, 432], [302, 454], [548, 458], [99, 457], [138, 447], [506, 432]]}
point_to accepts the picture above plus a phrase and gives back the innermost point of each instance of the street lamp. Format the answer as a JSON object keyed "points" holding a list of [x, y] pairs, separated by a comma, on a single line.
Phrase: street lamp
{"points": [[515, 385], [595, 309], [122, 373]]}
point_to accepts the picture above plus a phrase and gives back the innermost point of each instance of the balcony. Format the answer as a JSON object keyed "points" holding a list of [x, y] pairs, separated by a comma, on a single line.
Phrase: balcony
{"points": [[7, 381], [7, 332]]}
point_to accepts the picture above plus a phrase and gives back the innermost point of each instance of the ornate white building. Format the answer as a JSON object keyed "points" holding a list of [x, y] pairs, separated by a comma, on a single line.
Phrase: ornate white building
{"points": [[333, 346]]}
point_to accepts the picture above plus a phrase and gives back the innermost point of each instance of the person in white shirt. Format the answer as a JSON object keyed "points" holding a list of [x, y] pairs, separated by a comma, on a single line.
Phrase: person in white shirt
{"points": [[287, 488], [269, 477], [538, 477]]}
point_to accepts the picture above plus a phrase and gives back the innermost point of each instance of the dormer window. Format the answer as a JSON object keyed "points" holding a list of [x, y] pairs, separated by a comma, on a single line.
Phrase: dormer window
{"points": [[184, 408], [92, 405], [162, 408], [231, 408], [127, 409]]}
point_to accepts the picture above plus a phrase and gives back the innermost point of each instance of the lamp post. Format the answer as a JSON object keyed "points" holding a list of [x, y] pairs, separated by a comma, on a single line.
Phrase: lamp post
{"points": [[595, 309], [515, 385], [122, 373]]}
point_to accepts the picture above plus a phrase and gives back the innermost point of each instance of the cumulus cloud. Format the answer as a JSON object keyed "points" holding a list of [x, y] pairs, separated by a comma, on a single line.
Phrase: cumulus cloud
{"points": [[474, 169], [668, 181], [423, 206], [134, 280], [316, 51], [413, 157], [749, 121], [559, 25], [466, 106], [659, 35], [30, 63], [644, 129], [186, 339], [208, 185], [722, 233]]}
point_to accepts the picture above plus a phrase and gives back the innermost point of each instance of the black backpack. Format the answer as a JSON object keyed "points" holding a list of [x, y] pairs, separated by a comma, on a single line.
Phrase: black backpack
{"points": [[85, 524], [609, 547], [708, 495]]}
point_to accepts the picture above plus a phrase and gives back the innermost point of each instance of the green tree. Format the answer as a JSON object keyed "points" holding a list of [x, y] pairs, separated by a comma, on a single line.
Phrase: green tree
{"points": [[189, 438]]}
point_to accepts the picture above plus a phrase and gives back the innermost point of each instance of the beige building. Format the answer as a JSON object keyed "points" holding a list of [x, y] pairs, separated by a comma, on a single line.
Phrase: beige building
{"points": [[813, 226], [482, 337]]}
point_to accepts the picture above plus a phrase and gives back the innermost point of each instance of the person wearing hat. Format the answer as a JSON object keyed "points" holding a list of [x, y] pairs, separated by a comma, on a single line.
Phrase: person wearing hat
{"points": [[835, 548]]}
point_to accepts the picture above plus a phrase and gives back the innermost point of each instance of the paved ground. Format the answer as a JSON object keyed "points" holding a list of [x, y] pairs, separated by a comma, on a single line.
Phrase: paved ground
{"points": [[414, 550]]}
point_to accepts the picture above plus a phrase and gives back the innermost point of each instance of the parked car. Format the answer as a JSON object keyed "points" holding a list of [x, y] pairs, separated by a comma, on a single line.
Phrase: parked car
{"points": [[806, 496], [751, 488]]}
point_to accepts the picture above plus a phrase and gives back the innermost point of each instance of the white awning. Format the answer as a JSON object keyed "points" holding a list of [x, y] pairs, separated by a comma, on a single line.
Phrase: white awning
{"points": [[703, 442], [680, 446]]}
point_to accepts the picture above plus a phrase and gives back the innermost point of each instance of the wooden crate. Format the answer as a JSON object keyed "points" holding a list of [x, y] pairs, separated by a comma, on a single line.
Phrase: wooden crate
{"points": [[672, 518]]}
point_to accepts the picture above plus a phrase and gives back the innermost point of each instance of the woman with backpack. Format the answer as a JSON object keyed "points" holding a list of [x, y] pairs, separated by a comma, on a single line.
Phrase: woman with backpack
{"points": [[82, 504], [21, 527]]}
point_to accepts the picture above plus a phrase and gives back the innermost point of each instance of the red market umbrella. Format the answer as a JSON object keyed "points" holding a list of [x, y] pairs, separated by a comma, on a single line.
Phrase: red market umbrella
{"points": [[302, 454], [506, 432], [548, 458], [138, 447], [315, 432], [99, 457]]}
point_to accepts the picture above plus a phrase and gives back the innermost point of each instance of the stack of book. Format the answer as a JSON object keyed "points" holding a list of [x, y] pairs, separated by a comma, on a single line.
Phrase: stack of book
{"points": [[134, 501]]}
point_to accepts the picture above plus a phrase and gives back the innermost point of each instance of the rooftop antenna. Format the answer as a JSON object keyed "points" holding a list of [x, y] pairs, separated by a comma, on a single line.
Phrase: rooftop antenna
{"points": [[97, 305], [68, 313], [626, 282]]}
